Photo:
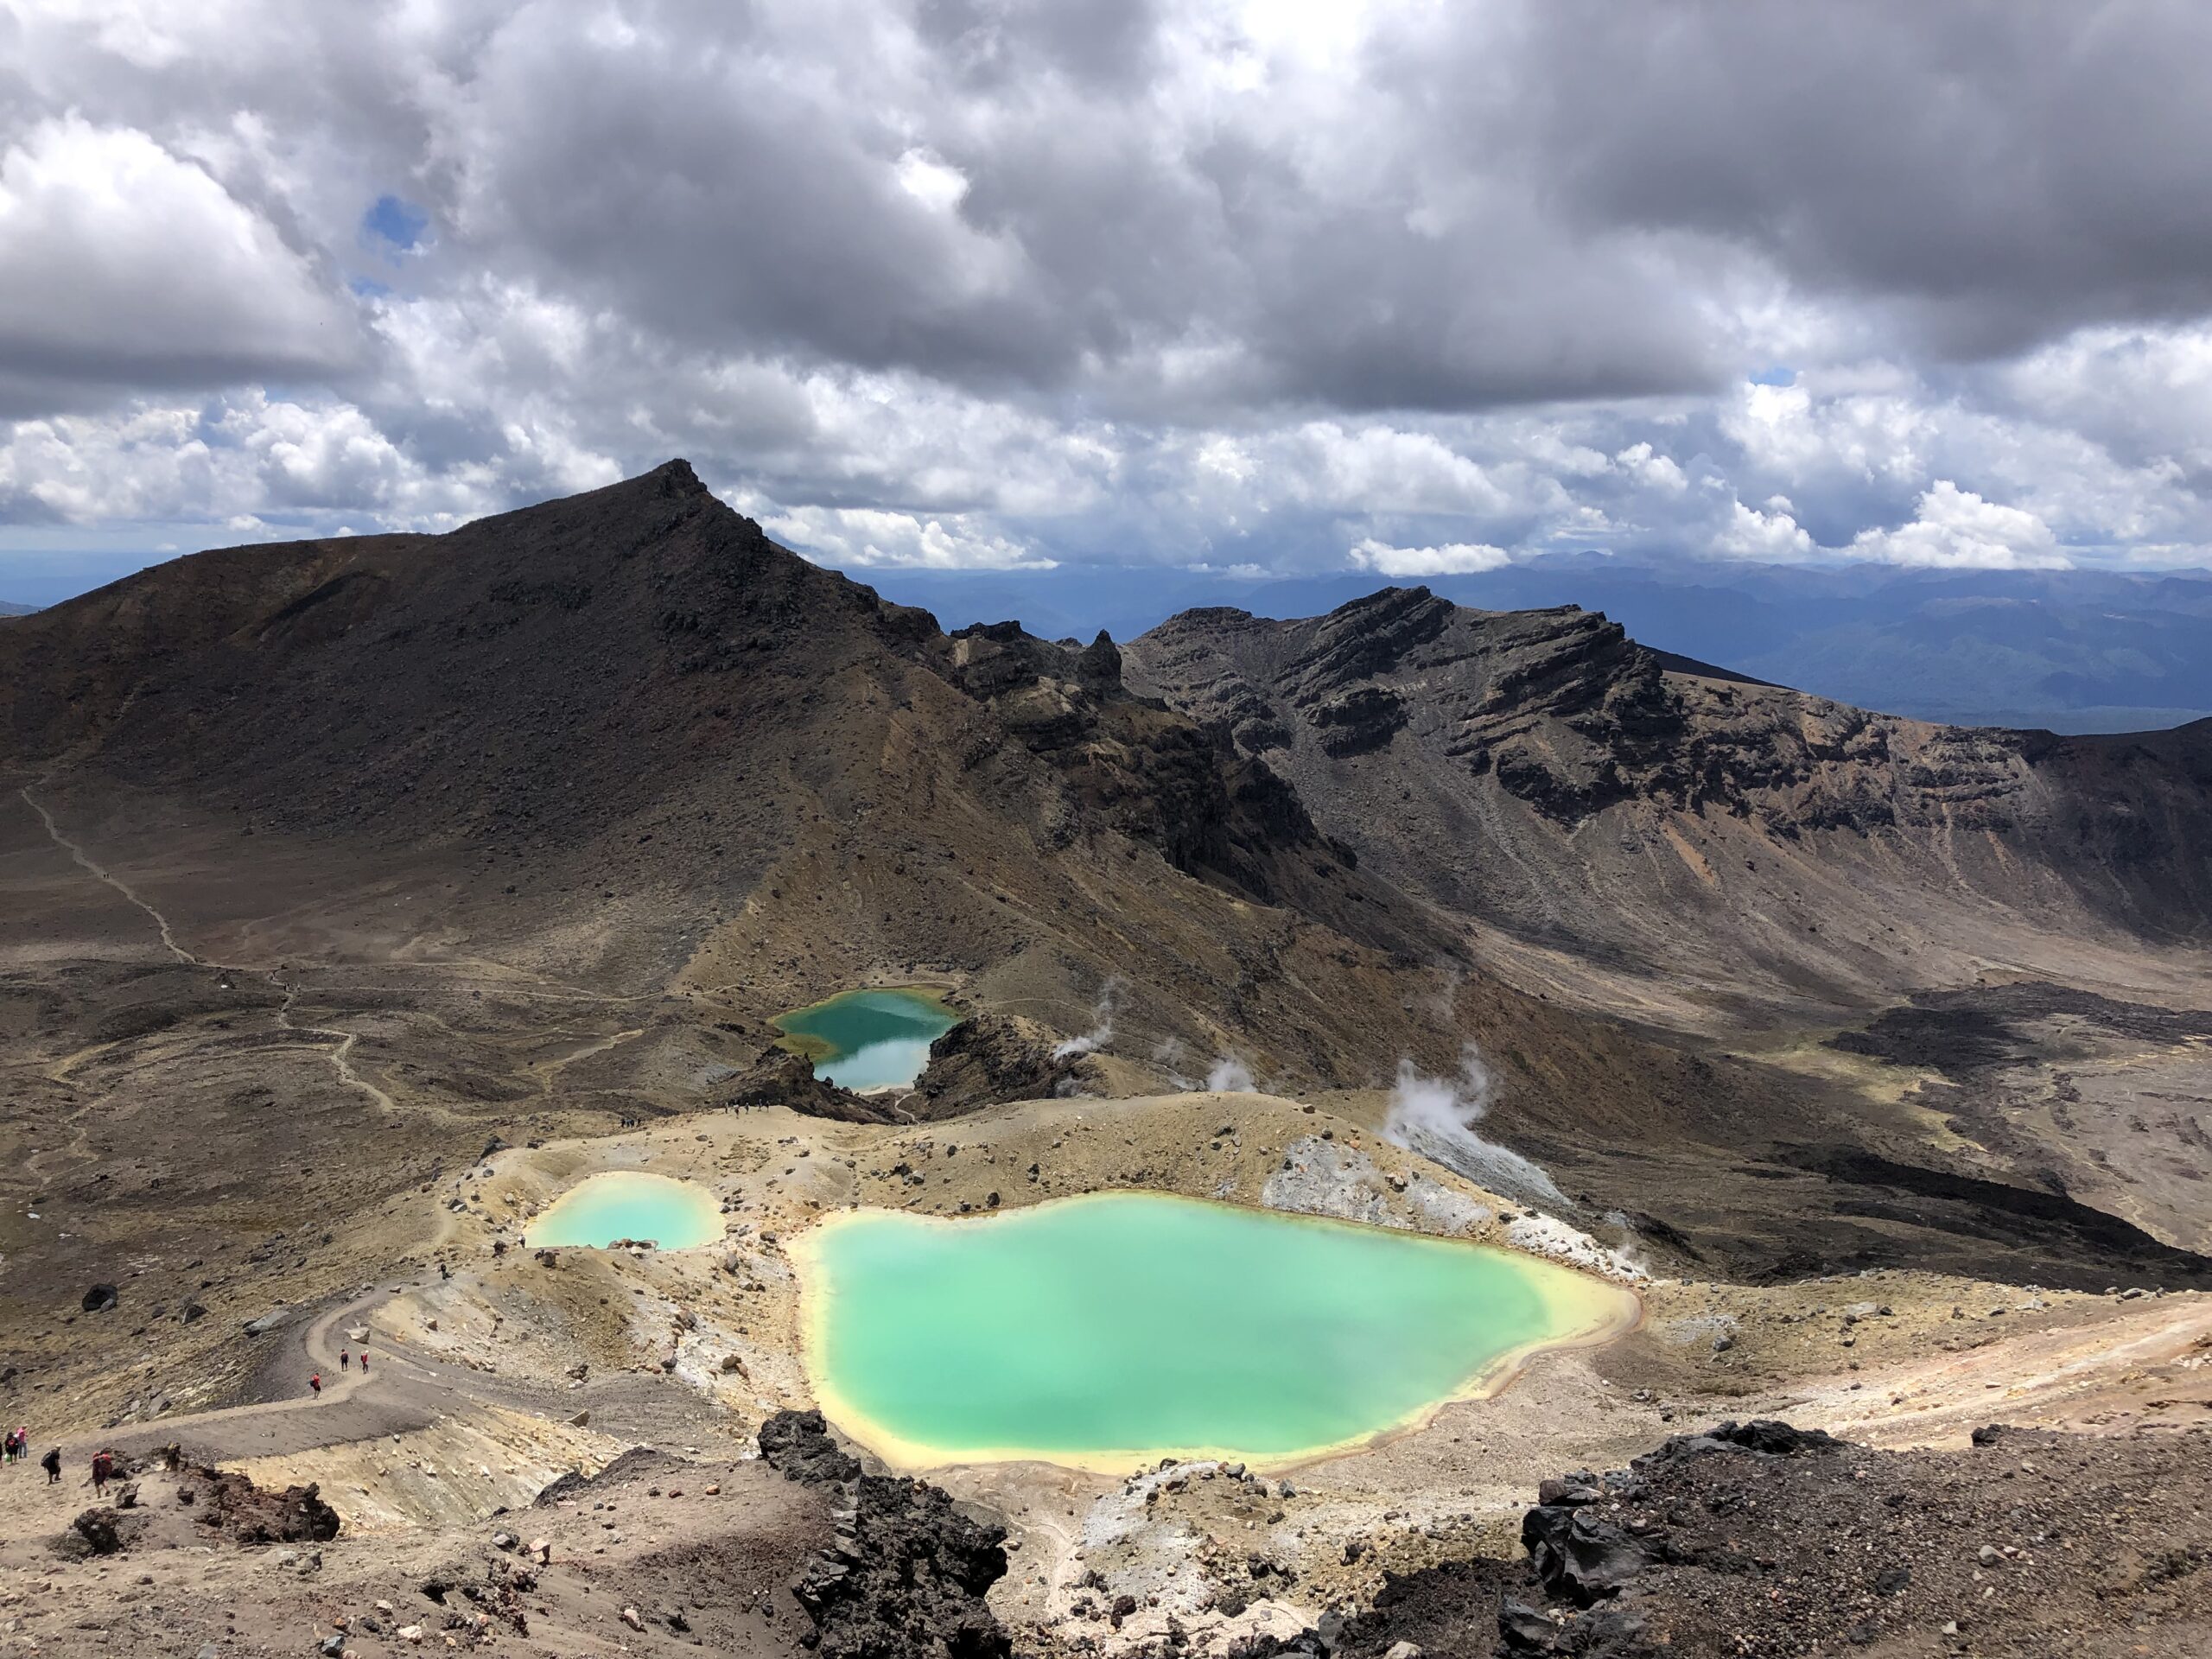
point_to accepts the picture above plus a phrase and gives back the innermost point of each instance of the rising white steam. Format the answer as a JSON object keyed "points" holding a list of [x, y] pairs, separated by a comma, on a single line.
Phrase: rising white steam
{"points": [[1435, 1117], [1167, 1055], [1230, 1076], [1102, 1027]]}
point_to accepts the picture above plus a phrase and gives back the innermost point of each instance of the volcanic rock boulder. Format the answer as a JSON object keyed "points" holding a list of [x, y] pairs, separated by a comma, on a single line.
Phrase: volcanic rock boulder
{"points": [[797, 1446], [990, 1058], [100, 1531], [907, 1573], [247, 1514], [781, 1079]]}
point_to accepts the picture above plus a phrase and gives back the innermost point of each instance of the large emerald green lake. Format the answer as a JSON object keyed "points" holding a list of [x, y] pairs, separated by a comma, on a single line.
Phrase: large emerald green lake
{"points": [[634, 1205], [868, 1039], [1104, 1330]]}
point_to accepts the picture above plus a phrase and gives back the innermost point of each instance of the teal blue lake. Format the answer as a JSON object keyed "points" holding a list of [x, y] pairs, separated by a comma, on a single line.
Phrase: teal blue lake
{"points": [[629, 1204], [1105, 1330], [868, 1039]]}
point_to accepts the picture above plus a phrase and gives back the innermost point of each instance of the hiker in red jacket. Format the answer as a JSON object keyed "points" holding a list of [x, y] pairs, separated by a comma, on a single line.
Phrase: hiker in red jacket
{"points": [[315, 1382]]}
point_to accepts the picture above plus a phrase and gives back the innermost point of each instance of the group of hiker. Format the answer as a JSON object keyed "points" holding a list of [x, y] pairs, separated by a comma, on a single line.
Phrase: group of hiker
{"points": [[15, 1444], [15, 1447], [344, 1362]]}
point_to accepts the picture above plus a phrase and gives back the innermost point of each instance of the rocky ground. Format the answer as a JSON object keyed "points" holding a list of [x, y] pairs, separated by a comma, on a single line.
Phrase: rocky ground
{"points": [[1760, 1538], [494, 1375]]}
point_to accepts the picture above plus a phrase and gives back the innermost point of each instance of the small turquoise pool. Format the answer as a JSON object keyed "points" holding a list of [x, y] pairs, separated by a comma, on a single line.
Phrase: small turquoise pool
{"points": [[604, 1210], [868, 1039]]}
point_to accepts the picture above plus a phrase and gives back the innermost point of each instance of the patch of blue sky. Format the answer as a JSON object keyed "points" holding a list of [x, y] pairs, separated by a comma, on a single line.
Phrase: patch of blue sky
{"points": [[396, 222]]}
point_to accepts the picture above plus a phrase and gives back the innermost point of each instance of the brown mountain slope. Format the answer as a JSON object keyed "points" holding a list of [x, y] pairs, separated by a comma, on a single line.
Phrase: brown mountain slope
{"points": [[1735, 845], [1760, 867]]}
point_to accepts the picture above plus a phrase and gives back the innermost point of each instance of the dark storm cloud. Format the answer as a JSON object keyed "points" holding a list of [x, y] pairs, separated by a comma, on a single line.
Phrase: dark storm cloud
{"points": [[1483, 205], [2002, 171]]}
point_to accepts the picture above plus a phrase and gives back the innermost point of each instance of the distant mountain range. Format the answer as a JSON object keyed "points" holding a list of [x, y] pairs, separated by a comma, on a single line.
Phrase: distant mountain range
{"points": [[6, 609], [2070, 651]]}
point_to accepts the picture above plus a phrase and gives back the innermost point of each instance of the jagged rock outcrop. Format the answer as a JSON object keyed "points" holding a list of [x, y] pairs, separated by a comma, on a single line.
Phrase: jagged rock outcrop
{"points": [[230, 1503], [1142, 770], [990, 1058], [907, 1573], [101, 1531], [1541, 772], [780, 1077], [798, 1444]]}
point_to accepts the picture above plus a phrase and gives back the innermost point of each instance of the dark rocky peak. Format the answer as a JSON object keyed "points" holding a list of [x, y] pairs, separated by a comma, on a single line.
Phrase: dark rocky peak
{"points": [[990, 660], [1098, 668], [1366, 638], [1216, 616], [675, 477]]}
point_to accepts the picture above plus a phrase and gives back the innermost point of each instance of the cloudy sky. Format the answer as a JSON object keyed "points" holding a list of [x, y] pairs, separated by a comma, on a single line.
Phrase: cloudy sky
{"points": [[1295, 285]]}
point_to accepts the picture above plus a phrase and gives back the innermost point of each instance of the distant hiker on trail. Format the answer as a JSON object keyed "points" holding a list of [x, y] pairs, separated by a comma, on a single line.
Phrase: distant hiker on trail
{"points": [[103, 1471], [52, 1464], [345, 1359], [315, 1382]]}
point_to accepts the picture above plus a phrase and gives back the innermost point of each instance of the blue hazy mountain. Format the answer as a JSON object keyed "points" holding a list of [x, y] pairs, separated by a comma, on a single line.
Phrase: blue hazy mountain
{"points": [[2072, 651]]}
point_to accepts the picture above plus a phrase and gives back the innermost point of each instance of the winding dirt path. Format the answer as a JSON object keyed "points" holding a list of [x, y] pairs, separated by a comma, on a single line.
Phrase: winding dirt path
{"points": [[100, 873], [547, 1071], [341, 1052], [340, 1056]]}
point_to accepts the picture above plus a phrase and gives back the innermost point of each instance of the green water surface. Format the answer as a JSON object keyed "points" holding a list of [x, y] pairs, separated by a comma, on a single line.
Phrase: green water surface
{"points": [[868, 1039], [1121, 1326], [629, 1204]]}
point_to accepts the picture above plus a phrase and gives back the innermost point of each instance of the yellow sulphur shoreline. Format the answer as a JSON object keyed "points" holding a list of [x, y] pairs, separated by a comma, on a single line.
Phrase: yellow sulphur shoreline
{"points": [[1590, 1312]]}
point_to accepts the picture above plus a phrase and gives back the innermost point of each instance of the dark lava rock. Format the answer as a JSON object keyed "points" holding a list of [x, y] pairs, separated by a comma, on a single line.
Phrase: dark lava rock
{"points": [[781, 1079], [247, 1514], [1577, 1555], [1355, 722], [1764, 1434], [1098, 668], [909, 1572], [1522, 1630], [988, 1059], [98, 1532], [797, 1446], [100, 1297]]}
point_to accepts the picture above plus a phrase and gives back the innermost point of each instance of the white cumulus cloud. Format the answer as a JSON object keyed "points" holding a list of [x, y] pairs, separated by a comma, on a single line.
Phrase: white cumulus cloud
{"points": [[1454, 559], [1956, 527]]}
